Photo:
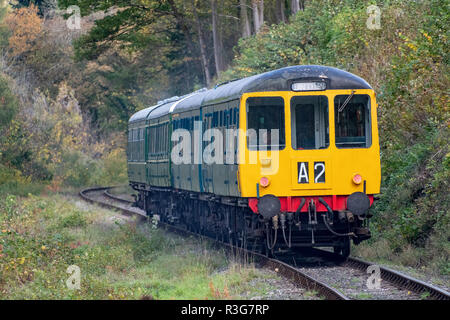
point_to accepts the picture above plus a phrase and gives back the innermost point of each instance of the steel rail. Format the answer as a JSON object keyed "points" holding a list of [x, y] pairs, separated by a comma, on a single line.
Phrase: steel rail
{"points": [[402, 280], [112, 196], [301, 279], [305, 281], [394, 277]]}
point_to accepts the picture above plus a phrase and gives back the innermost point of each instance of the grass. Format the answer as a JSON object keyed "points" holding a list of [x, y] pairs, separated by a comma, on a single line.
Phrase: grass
{"points": [[363, 296], [425, 295], [409, 260], [118, 257], [12, 182], [310, 294]]}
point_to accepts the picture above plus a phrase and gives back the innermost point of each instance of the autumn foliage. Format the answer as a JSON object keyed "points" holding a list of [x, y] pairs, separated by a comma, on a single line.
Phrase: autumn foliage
{"points": [[45, 136], [25, 26]]}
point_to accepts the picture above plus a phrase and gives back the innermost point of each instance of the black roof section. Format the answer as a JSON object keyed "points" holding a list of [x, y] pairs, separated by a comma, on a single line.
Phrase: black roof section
{"points": [[277, 80]]}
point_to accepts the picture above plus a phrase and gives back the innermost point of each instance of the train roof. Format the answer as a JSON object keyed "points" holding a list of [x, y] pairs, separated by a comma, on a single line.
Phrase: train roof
{"points": [[161, 110], [141, 114], [144, 113], [277, 80]]}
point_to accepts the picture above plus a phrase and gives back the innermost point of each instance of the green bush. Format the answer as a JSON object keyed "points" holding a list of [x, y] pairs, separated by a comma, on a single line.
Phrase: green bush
{"points": [[73, 220], [406, 62], [8, 103], [12, 182]]}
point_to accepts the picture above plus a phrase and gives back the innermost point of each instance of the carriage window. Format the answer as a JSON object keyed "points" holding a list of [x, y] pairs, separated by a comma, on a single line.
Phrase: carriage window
{"points": [[166, 145], [309, 122], [135, 153], [352, 121], [226, 118], [140, 135], [265, 123]]}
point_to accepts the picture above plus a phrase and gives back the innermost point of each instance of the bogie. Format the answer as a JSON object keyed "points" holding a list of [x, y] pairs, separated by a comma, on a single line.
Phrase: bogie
{"points": [[306, 179]]}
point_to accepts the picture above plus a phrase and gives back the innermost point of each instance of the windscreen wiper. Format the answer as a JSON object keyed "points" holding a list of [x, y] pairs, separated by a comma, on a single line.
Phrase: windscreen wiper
{"points": [[341, 108]]}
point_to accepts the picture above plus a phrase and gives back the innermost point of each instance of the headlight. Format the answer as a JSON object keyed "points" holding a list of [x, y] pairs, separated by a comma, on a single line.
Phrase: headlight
{"points": [[357, 179], [264, 182]]}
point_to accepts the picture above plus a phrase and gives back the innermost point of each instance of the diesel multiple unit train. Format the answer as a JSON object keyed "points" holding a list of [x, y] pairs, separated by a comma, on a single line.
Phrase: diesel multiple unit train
{"points": [[287, 158]]}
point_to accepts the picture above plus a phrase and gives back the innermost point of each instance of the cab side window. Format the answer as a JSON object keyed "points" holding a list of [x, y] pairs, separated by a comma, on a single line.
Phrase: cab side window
{"points": [[265, 123], [352, 121]]}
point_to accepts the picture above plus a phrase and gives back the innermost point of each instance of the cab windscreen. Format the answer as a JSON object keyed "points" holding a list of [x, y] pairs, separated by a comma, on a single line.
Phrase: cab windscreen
{"points": [[265, 123], [352, 121]]}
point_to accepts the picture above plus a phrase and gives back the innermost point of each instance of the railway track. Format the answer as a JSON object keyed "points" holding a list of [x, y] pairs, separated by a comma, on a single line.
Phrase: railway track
{"points": [[396, 285]]}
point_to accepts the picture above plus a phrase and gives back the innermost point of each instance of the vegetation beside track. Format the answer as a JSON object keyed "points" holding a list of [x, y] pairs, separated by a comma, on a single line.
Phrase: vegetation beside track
{"points": [[119, 258], [45, 143], [406, 61]]}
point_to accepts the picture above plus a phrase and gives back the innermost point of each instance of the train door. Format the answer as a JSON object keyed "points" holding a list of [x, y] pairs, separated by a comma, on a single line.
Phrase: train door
{"points": [[176, 182], [231, 142], [156, 165], [163, 155], [185, 168], [221, 180], [151, 168], [207, 170], [196, 149], [165, 167]]}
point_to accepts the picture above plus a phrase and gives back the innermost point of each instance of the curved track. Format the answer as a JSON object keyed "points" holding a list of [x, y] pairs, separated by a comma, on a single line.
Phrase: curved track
{"points": [[403, 285]]}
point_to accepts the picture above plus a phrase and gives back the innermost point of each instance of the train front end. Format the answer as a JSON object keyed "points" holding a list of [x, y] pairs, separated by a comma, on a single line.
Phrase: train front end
{"points": [[310, 163]]}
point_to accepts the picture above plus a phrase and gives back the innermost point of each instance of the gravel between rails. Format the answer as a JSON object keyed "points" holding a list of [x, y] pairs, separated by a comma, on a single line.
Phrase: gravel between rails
{"points": [[349, 280], [278, 287], [353, 283]]}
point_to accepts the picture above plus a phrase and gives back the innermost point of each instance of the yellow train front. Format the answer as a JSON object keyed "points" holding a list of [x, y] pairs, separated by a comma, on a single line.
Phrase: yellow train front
{"points": [[315, 184], [298, 161]]}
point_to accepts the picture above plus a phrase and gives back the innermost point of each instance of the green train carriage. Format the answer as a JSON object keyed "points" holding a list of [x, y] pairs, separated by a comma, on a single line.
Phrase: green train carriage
{"points": [[328, 170]]}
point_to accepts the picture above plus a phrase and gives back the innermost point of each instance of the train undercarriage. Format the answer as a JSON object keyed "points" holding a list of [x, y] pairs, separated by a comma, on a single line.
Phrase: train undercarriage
{"points": [[231, 220]]}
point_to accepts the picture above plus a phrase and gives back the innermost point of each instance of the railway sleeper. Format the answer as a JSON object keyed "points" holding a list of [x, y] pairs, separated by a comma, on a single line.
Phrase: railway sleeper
{"points": [[227, 219]]}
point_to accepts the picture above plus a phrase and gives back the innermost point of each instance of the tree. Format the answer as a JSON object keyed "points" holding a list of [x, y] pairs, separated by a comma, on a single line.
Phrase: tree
{"points": [[162, 29], [297, 5], [258, 14], [8, 103], [218, 48], [245, 22], [202, 44], [25, 26], [182, 24], [4, 30], [280, 10]]}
